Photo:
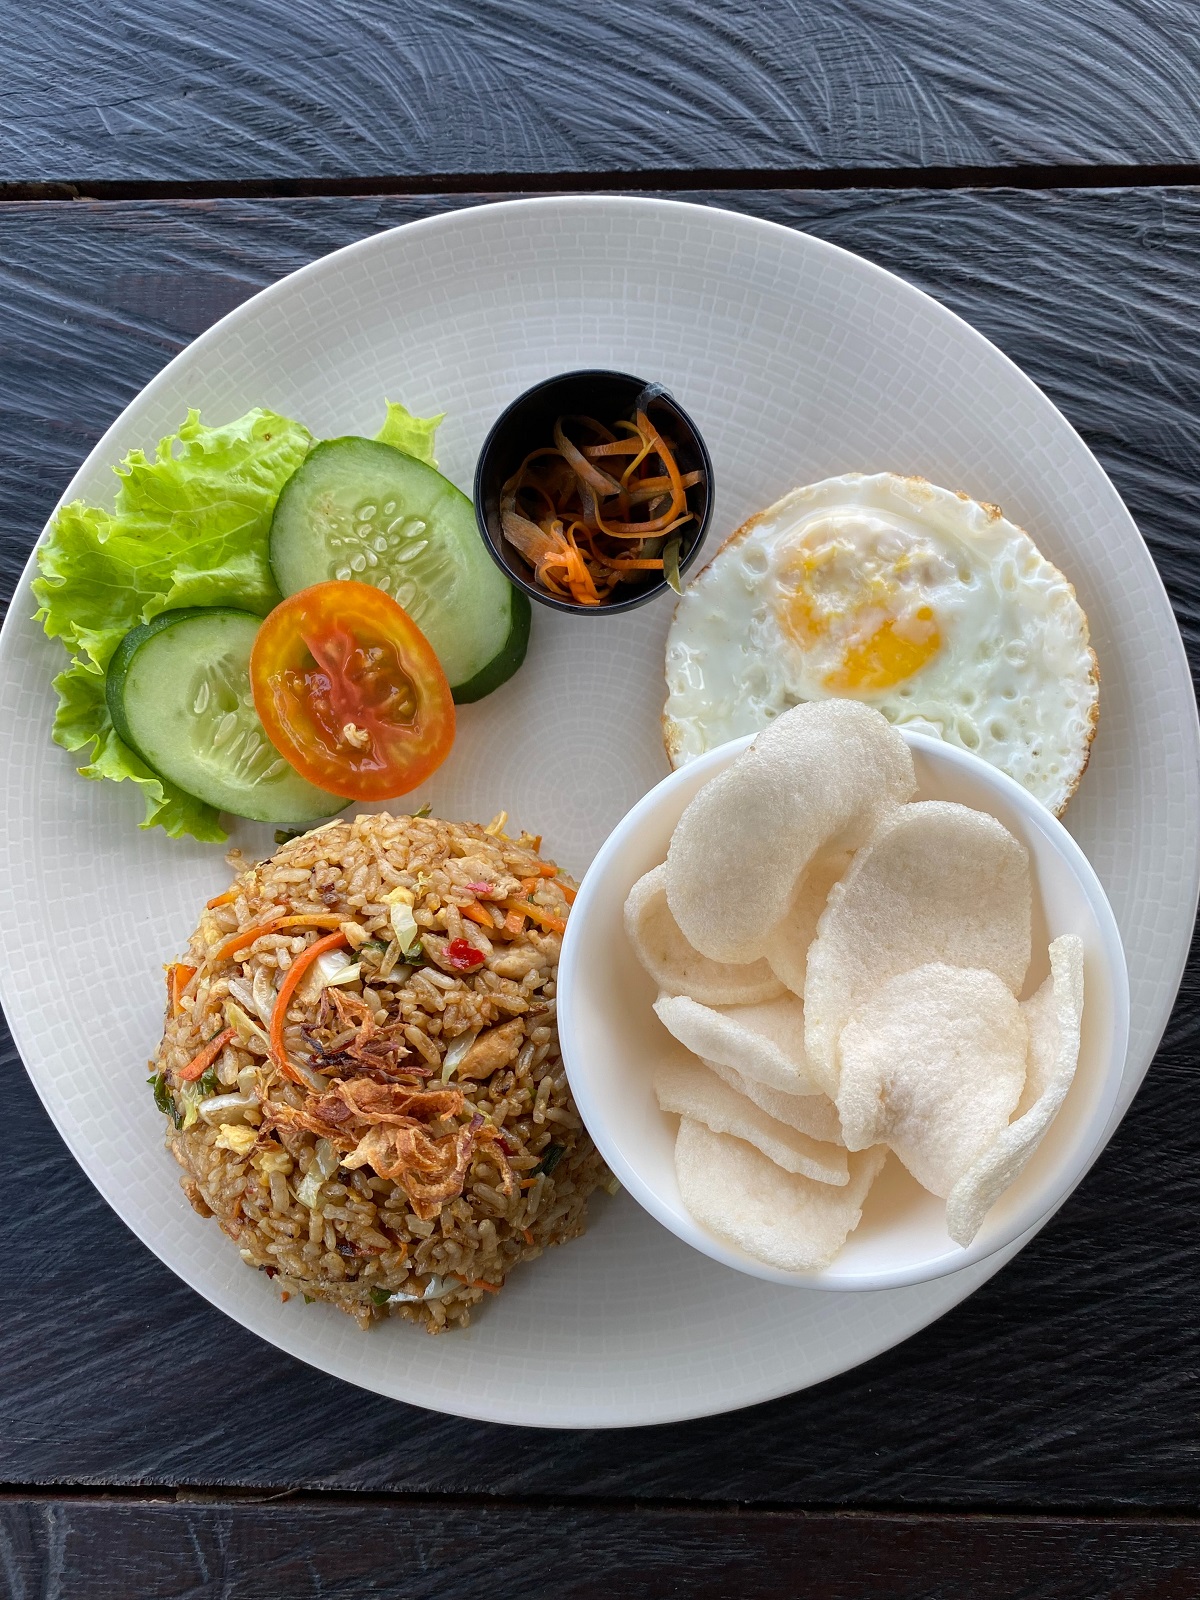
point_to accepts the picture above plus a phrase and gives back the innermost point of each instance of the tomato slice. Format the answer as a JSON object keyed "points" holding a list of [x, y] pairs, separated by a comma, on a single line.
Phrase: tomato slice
{"points": [[350, 691]]}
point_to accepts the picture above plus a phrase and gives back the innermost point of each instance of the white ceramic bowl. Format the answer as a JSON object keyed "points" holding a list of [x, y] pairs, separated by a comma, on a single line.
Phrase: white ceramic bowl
{"points": [[612, 1040]]}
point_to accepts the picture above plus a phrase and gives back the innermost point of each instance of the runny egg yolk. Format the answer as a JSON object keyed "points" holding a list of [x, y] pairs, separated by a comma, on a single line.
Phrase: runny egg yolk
{"points": [[888, 655], [857, 622]]}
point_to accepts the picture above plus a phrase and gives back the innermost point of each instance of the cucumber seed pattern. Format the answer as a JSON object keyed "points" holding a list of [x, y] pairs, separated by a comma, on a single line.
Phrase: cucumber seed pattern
{"points": [[383, 546], [228, 725]]}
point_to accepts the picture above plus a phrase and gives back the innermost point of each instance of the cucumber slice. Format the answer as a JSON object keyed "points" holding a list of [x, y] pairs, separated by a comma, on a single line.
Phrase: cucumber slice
{"points": [[356, 508], [502, 666], [178, 692]]}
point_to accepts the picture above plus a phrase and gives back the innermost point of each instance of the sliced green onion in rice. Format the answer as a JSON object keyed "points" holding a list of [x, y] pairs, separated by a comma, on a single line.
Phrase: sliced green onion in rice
{"points": [[554, 1154], [162, 1096]]}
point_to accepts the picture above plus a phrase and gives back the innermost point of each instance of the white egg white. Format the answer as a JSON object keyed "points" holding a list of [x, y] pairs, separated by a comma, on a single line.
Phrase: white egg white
{"points": [[919, 601]]}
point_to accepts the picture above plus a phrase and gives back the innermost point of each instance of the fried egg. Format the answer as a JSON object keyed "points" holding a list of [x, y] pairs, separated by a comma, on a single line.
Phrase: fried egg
{"points": [[921, 602]]}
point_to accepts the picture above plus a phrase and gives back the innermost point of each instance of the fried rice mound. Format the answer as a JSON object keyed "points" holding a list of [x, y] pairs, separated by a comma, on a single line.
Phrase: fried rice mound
{"points": [[383, 1123]]}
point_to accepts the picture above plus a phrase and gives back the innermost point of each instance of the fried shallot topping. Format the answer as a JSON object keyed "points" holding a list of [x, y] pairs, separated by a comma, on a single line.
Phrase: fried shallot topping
{"points": [[393, 1129], [345, 1035]]}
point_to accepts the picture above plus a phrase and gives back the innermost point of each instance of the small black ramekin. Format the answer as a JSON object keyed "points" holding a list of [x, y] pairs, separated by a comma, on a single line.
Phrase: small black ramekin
{"points": [[529, 422]]}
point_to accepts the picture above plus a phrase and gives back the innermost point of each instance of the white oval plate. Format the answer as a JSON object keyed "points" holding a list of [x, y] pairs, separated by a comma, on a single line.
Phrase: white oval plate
{"points": [[798, 360]]}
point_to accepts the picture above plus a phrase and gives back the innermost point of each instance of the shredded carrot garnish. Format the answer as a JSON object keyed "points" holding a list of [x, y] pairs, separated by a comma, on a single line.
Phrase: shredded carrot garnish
{"points": [[528, 1183], [482, 1283], [527, 1236], [301, 964], [179, 975], [547, 869], [596, 511], [225, 899], [568, 893], [203, 1059], [240, 941], [514, 924], [479, 914]]}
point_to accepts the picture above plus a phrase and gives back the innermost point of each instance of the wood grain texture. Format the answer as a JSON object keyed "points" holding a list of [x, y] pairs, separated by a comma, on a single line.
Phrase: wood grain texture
{"points": [[60, 1549], [343, 88], [1070, 1381]]}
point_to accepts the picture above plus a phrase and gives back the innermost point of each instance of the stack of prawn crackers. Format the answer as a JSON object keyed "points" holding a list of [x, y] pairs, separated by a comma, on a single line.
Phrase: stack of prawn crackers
{"points": [[843, 967]]}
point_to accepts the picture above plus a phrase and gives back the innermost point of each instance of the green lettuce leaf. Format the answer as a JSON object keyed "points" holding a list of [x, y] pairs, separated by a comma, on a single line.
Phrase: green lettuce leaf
{"points": [[190, 527], [82, 722], [413, 435]]}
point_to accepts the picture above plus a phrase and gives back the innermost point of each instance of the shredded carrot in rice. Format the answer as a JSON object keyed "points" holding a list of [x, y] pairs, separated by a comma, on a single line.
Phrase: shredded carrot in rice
{"points": [[179, 975], [279, 1055], [544, 919], [225, 899], [241, 941], [203, 1059]]}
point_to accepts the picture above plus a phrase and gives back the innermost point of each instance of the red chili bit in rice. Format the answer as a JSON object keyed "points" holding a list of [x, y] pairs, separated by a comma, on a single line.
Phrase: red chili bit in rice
{"points": [[463, 956]]}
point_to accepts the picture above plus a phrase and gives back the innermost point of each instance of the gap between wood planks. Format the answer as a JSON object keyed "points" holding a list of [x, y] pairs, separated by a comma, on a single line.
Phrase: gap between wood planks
{"points": [[998, 177], [234, 1496]]}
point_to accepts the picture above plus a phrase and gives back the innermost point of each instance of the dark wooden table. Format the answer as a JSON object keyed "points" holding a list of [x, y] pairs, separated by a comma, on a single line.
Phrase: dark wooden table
{"points": [[1031, 165]]}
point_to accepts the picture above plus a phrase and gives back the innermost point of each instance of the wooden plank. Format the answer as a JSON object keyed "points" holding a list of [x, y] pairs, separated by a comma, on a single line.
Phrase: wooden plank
{"points": [[109, 1550], [301, 90], [1070, 1381]]}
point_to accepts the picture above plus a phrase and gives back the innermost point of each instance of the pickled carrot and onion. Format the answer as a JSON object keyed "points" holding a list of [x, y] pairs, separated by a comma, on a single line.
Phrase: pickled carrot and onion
{"points": [[599, 509]]}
